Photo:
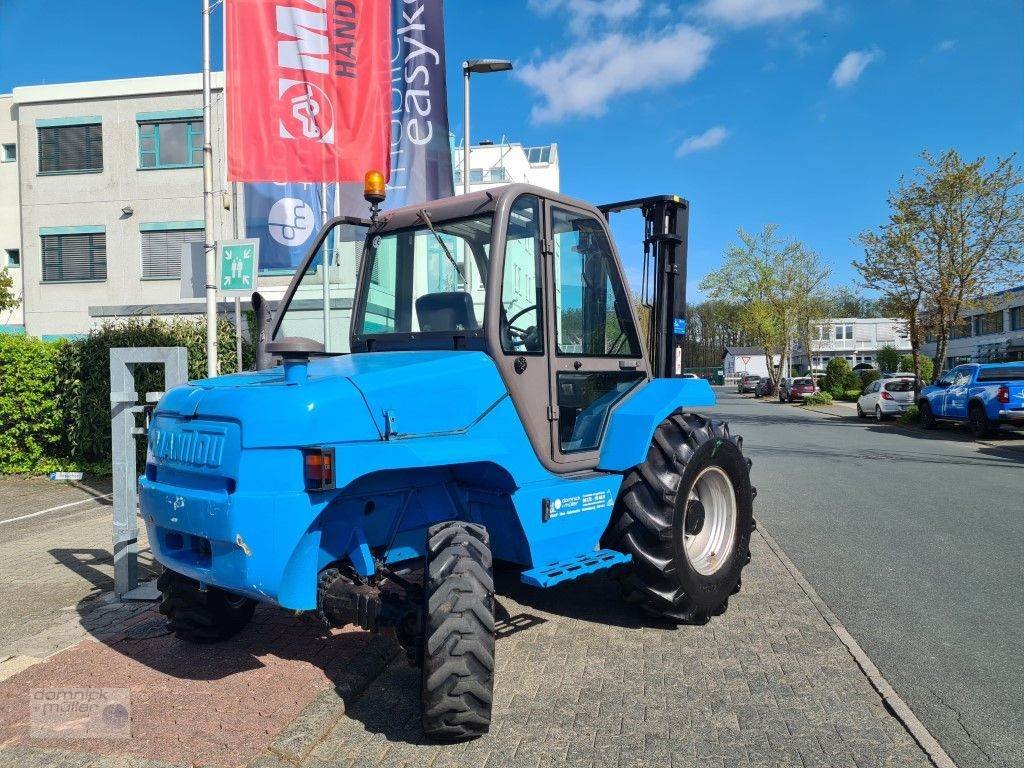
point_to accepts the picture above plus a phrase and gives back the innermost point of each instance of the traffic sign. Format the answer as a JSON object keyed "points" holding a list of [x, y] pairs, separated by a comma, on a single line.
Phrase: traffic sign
{"points": [[745, 359], [237, 266]]}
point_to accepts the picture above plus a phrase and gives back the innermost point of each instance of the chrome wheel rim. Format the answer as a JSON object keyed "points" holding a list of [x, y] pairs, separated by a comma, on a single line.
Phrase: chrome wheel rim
{"points": [[709, 523]]}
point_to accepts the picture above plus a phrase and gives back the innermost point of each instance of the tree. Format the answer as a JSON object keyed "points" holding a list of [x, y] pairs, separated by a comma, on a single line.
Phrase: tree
{"points": [[888, 358], [839, 377], [848, 303], [960, 226], [8, 300], [927, 367], [777, 284]]}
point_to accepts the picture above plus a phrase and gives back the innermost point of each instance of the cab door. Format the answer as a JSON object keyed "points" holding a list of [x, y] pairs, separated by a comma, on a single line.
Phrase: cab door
{"points": [[957, 393], [594, 354]]}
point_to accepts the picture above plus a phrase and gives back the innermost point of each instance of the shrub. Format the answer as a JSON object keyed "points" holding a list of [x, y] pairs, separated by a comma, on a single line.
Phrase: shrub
{"points": [[839, 377], [850, 395], [927, 366], [888, 359], [869, 375], [818, 398], [30, 421], [910, 416]]}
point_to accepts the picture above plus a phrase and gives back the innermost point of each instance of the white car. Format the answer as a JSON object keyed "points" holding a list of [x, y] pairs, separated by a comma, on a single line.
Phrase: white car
{"points": [[689, 376], [883, 398]]}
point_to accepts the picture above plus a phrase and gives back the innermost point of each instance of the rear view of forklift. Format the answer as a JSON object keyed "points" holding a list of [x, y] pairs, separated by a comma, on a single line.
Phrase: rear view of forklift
{"points": [[485, 395]]}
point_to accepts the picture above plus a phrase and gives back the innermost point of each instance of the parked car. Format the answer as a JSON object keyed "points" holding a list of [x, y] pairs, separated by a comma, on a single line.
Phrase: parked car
{"points": [[982, 395], [764, 388], [886, 397], [689, 376], [747, 383], [797, 389]]}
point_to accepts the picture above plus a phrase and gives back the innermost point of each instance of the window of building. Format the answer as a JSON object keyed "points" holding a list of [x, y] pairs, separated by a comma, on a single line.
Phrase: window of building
{"points": [[74, 256], [170, 143], [13, 258], [499, 175], [161, 250], [844, 332], [990, 322], [476, 175], [962, 329], [1017, 318], [538, 155], [70, 148], [8, 153]]}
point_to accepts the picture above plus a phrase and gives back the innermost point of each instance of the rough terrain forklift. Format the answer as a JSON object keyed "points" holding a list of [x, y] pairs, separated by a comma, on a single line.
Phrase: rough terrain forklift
{"points": [[485, 396]]}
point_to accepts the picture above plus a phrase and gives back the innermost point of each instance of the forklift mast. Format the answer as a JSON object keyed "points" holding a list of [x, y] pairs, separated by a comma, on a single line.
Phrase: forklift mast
{"points": [[663, 289]]}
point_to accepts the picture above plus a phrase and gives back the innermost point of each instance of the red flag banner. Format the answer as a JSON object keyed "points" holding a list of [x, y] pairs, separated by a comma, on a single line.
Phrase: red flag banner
{"points": [[308, 89]]}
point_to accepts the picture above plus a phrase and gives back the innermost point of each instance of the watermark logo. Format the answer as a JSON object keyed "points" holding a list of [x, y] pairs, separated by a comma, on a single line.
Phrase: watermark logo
{"points": [[80, 713]]}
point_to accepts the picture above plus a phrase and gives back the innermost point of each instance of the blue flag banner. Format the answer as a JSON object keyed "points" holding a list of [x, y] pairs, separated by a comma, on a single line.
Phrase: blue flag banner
{"points": [[286, 217], [421, 160]]}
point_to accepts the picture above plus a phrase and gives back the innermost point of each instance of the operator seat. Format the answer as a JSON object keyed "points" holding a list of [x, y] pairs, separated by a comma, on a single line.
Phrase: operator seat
{"points": [[452, 311]]}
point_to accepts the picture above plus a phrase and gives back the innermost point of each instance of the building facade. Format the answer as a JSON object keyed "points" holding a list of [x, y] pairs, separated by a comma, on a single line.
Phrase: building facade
{"points": [[855, 339], [12, 320], [111, 186], [741, 361], [992, 333], [492, 165]]}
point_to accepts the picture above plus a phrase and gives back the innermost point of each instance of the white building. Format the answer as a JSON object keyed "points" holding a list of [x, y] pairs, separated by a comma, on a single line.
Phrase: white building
{"points": [[857, 339], [492, 165], [992, 333], [11, 321]]}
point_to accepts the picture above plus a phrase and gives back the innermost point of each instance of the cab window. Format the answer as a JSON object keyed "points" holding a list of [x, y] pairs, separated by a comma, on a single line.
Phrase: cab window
{"points": [[521, 328], [592, 309]]}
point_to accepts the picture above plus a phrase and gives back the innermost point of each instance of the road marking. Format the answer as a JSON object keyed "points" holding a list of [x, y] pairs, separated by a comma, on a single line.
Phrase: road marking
{"points": [[57, 508]]}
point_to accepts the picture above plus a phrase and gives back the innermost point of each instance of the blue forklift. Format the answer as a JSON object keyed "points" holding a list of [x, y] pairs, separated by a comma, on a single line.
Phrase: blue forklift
{"points": [[481, 389]]}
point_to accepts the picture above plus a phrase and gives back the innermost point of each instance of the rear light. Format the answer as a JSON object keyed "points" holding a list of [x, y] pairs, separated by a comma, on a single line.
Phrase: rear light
{"points": [[886, 395], [318, 468], [1003, 395]]}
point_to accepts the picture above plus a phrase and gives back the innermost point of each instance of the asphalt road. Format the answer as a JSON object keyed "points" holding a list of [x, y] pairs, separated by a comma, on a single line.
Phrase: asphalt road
{"points": [[915, 540]]}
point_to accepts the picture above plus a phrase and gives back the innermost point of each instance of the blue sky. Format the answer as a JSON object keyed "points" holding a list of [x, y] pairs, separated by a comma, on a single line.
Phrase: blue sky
{"points": [[802, 113]]}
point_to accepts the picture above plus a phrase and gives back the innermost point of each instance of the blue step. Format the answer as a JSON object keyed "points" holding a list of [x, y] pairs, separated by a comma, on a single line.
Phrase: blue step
{"points": [[573, 568]]}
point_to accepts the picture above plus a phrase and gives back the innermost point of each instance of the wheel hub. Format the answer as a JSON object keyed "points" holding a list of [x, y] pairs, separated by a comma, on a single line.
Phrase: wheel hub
{"points": [[709, 527], [694, 517]]}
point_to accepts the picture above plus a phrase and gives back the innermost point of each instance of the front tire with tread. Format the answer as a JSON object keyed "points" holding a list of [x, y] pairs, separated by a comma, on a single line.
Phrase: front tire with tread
{"points": [[458, 638], [649, 518]]}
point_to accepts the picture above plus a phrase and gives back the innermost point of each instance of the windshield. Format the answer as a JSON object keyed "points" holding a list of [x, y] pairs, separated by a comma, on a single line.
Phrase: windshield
{"points": [[424, 279], [321, 309]]}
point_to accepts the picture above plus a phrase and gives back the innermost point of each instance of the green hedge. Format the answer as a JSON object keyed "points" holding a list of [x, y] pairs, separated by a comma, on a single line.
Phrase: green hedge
{"points": [[818, 398], [55, 396], [30, 422]]}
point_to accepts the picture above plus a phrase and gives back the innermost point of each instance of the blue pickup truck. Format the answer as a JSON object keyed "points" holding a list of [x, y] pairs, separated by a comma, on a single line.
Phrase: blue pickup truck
{"points": [[983, 395]]}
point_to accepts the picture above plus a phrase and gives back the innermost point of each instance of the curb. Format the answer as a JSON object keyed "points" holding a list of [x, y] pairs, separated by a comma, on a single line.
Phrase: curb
{"points": [[893, 702]]}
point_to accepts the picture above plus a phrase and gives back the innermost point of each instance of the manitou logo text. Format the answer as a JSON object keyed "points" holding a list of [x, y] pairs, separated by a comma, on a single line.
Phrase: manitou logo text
{"points": [[187, 446], [310, 49]]}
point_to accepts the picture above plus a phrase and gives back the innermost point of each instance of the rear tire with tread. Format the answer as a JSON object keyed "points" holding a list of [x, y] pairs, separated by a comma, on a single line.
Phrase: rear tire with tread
{"points": [[649, 518], [458, 638], [926, 416], [202, 616]]}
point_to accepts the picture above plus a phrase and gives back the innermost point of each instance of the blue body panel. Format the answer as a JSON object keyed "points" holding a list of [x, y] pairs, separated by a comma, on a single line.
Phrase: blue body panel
{"points": [[952, 403], [419, 438]]}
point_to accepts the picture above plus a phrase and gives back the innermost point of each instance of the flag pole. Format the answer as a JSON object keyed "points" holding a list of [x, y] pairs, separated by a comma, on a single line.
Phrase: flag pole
{"points": [[211, 256], [325, 264]]}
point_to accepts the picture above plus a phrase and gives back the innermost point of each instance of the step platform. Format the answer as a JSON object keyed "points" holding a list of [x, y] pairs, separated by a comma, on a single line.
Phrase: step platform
{"points": [[567, 570]]}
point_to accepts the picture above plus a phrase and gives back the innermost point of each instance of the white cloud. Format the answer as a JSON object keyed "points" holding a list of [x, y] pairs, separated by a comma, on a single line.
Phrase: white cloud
{"points": [[583, 13], [946, 46], [710, 139], [747, 13], [582, 80], [852, 66]]}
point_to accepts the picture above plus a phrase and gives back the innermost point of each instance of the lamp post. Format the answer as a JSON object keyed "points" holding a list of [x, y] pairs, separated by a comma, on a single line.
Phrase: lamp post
{"points": [[480, 66]]}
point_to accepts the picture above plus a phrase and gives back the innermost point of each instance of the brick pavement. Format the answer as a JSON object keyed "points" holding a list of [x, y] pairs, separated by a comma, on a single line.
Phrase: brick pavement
{"points": [[581, 681]]}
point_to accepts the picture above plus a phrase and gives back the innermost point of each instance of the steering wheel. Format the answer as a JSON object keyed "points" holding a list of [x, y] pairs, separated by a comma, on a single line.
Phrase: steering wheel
{"points": [[525, 336]]}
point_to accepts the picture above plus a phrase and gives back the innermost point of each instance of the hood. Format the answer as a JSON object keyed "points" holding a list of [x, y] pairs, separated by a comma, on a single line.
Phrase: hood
{"points": [[349, 398]]}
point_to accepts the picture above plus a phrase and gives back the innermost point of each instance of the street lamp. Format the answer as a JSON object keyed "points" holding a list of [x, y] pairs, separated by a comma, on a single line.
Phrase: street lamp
{"points": [[483, 67]]}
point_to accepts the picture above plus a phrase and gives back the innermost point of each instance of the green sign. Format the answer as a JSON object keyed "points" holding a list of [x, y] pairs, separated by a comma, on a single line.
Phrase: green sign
{"points": [[237, 266]]}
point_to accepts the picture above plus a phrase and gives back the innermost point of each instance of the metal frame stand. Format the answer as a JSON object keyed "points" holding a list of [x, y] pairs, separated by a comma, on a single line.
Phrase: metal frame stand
{"points": [[124, 404]]}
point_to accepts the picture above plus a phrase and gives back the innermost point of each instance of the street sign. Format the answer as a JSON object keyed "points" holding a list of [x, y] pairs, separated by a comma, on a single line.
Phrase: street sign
{"points": [[237, 266], [745, 360]]}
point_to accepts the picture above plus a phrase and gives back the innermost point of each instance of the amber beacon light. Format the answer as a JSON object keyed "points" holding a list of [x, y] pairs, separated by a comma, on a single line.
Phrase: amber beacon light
{"points": [[373, 187]]}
